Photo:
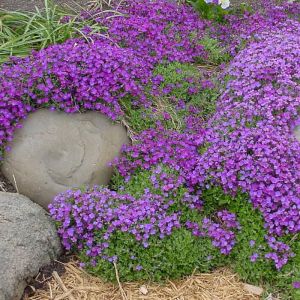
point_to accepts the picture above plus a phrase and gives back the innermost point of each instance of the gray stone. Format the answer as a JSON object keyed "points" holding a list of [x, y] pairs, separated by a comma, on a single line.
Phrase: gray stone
{"points": [[297, 133], [252, 289], [55, 151], [28, 241]]}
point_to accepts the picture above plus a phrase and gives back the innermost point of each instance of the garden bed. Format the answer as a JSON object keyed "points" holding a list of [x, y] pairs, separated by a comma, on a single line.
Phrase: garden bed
{"points": [[210, 99]]}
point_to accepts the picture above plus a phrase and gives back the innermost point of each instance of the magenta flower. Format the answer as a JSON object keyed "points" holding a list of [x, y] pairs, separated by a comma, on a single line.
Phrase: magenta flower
{"points": [[296, 284]]}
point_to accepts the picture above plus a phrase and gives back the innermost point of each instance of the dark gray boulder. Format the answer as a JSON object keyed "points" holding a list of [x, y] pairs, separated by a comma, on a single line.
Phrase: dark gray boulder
{"points": [[28, 241]]}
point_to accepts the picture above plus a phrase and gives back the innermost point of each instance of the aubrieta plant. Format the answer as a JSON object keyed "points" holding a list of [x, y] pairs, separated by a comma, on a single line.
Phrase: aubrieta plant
{"points": [[159, 31], [240, 28], [149, 236], [252, 132], [208, 182], [78, 75]]}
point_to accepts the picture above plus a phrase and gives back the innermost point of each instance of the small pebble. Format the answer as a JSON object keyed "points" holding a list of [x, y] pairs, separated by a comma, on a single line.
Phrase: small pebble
{"points": [[143, 290], [253, 289]]}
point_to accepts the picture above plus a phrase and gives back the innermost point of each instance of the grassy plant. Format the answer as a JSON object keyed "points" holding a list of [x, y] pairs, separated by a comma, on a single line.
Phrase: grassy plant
{"points": [[216, 53], [21, 32], [105, 4]]}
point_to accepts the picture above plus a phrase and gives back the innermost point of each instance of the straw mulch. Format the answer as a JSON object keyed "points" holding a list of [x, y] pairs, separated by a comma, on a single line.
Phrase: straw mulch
{"points": [[76, 284]]}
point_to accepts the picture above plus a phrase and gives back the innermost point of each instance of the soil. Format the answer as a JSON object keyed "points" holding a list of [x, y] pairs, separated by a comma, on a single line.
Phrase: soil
{"points": [[29, 5], [5, 185], [44, 275]]}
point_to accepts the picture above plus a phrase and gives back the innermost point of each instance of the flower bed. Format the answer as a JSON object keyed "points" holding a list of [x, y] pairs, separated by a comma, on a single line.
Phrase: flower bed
{"points": [[207, 183]]}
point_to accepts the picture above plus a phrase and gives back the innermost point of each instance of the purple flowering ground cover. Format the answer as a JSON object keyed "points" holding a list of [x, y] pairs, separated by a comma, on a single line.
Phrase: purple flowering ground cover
{"points": [[213, 175]]}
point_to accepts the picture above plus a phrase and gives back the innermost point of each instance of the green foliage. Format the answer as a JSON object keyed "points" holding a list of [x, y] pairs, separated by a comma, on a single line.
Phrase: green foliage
{"points": [[202, 149], [216, 53], [177, 73], [21, 32], [172, 257], [261, 272], [140, 181], [178, 79], [138, 118], [184, 77], [209, 11]]}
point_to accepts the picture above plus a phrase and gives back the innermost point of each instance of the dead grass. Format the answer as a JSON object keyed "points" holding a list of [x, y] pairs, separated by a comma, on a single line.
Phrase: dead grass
{"points": [[2, 187], [76, 284]]}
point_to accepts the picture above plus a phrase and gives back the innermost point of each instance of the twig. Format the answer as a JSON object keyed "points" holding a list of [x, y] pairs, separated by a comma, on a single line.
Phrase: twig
{"points": [[2, 187], [61, 284], [50, 291], [123, 294], [131, 133], [16, 186]]}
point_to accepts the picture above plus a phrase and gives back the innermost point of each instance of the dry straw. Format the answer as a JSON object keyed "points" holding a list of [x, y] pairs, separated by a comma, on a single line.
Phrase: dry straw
{"points": [[76, 284], [2, 186]]}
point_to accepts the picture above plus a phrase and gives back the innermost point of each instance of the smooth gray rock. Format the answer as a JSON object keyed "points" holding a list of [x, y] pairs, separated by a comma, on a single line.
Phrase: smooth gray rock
{"points": [[28, 241], [297, 132], [55, 151]]}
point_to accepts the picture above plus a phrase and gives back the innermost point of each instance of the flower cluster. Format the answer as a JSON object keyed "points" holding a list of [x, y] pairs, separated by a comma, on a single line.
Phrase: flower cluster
{"points": [[221, 232], [224, 239], [77, 75], [241, 28], [248, 145], [71, 77], [155, 146], [253, 148], [281, 252], [228, 219], [89, 219], [159, 30]]}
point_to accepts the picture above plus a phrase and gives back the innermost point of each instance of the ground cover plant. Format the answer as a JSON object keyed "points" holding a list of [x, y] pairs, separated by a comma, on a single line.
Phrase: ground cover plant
{"points": [[212, 177]]}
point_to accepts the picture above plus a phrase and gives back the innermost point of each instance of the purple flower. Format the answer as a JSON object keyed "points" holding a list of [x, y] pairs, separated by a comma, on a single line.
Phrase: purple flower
{"points": [[252, 243], [249, 141], [139, 268], [296, 284], [254, 257]]}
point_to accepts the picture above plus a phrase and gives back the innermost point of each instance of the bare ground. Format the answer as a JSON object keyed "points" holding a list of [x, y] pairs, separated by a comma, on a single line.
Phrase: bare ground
{"points": [[29, 5], [5, 185]]}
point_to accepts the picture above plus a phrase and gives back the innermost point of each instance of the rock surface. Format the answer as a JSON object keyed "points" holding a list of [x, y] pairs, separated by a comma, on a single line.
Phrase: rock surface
{"points": [[297, 133], [28, 241], [55, 151]]}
